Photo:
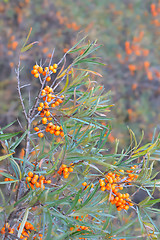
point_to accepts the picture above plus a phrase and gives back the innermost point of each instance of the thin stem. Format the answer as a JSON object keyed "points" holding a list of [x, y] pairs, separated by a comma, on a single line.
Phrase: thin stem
{"points": [[19, 91]]}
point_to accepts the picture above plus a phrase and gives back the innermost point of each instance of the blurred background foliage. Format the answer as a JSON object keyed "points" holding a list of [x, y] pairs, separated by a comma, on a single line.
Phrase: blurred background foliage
{"points": [[129, 32]]}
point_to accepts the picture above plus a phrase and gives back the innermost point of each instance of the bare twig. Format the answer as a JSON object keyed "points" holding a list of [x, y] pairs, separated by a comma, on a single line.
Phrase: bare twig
{"points": [[19, 91], [26, 85]]}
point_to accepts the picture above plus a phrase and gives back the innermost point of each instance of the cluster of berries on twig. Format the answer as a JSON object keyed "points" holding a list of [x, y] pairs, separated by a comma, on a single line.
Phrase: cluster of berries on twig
{"points": [[6, 228], [80, 228], [28, 227], [46, 72], [84, 184], [65, 170], [33, 180], [8, 179], [50, 101], [114, 182]]}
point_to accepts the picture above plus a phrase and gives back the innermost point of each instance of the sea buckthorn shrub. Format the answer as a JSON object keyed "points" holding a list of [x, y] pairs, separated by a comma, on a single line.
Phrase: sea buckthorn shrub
{"points": [[133, 70], [65, 183]]}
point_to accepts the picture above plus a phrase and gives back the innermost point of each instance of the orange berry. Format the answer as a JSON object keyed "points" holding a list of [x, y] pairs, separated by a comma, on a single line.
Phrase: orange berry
{"points": [[34, 71], [41, 104], [31, 227], [50, 90], [32, 186], [49, 95], [37, 185], [36, 66], [71, 228], [41, 135], [57, 133], [53, 105], [52, 131], [146, 64], [27, 225], [47, 129], [65, 170], [102, 183], [55, 65], [6, 179], [60, 100], [63, 166], [44, 73], [51, 68], [28, 179], [40, 70], [62, 134], [84, 184], [49, 119], [3, 230], [49, 99], [36, 177], [57, 128], [57, 103], [70, 169], [36, 75], [126, 195], [48, 114], [46, 104], [54, 70], [34, 181], [11, 230], [44, 120], [39, 109], [48, 78], [119, 208], [30, 174], [42, 177], [49, 181], [50, 124], [66, 175], [103, 188]]}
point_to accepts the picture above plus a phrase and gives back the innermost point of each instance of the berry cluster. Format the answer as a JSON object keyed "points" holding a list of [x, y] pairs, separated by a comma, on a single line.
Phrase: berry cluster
{"points": [[46, 72], [46, 114], [119, 239], [84, 184], [65, 170], [34, 180], [79, 228], [7, 228], [8, 179], [131, 177], [28, 227], [80, 218], [113, 182]]}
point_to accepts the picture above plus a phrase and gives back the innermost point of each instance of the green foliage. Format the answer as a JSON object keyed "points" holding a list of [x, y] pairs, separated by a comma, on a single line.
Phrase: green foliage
{"points": [[65, 208]]}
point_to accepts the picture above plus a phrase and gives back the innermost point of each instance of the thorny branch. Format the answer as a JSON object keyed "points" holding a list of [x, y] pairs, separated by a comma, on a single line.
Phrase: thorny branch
{"points": [[19, 91]]}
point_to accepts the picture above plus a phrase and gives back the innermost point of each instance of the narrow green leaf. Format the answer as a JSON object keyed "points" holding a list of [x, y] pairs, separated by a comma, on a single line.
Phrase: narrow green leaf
{"points": [[144, 201], [6, 136], [5, 156], [30, 30], [23, 222], [49, 228], [18, 168], [74, 202], [26, 48], [10, 124], [19, 140]]}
